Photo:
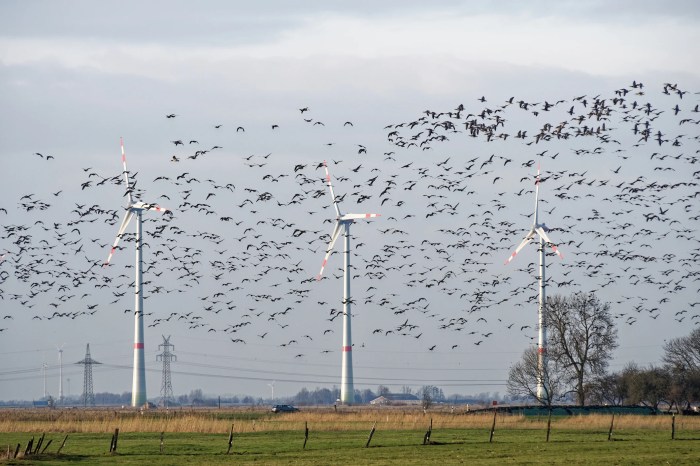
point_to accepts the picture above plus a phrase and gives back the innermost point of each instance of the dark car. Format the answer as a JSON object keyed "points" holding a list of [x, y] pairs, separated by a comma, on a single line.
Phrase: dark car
{"points": [[284, 409]]}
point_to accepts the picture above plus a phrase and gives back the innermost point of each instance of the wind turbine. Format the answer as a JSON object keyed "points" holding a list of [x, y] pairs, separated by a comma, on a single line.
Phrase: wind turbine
{"points": [[43, 368], [138, 390], [343, 222], [541, 230], [272, 388], [60, 373]]}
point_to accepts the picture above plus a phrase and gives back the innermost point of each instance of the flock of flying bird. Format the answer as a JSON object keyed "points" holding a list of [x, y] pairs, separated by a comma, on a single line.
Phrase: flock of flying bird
{"points": [[236, 255]]}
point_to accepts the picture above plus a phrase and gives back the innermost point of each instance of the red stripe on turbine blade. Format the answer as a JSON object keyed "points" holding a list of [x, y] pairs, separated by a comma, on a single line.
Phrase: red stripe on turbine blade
{"points": [[347, 349], [138, 345]]}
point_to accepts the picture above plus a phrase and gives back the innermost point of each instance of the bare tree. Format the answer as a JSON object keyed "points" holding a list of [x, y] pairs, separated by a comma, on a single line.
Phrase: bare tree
{"points": [[650, 387], [613, 389], [523, 377], [430, 394], [683, 352], [582, 338], [682, 359], [383, 390]]}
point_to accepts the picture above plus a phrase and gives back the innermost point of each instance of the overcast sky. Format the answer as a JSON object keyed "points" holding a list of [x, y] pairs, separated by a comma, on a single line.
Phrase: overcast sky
{"points": [[77, 75]]}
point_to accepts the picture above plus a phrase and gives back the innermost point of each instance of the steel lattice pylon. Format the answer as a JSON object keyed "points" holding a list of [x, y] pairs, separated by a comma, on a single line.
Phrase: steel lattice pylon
{"points": [[166, 387], [88, 393]]}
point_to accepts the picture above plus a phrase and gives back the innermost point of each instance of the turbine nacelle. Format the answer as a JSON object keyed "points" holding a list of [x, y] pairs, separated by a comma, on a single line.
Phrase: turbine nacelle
{"points": [[144, 206], [350, 218]]}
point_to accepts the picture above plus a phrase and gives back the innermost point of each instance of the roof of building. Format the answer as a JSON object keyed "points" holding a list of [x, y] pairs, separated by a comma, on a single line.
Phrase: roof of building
{"points": [[389, 397]]}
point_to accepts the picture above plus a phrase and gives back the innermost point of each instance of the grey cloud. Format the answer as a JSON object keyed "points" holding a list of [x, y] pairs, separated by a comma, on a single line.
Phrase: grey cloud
{"points": [[224, 23]]}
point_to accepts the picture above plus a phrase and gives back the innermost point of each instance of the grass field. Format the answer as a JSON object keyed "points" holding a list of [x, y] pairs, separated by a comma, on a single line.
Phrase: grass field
{"points": [[338, 438]]}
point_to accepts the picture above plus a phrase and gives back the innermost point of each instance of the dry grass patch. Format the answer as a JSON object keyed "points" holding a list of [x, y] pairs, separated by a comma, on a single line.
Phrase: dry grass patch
{"points": [[321, 419]]}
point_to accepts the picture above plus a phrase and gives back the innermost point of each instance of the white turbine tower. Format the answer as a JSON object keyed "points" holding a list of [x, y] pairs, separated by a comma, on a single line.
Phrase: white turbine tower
{"points": [[541, 230], [138, 390], [272, 388], [343, 222], [43, 367], [60, 373]]}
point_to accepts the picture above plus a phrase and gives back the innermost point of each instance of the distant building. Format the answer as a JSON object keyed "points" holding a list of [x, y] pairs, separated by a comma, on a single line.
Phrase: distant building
{"points": [[396, 399]]}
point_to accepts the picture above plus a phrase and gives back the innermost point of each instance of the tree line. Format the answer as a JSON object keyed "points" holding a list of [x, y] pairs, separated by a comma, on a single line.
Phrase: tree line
{"points": [[582, 337]]}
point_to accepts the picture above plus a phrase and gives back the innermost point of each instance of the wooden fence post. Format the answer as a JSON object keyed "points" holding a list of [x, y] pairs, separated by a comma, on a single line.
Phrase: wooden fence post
{"points": [[306, 434], [493, 426], [230, 440], [38, 444], [28, 450], [17, 450], [162, 445], [115, 439], [612, 421], [426, 437], [62, 444], [47, 446], [673, 426], [371, 433], [549, 423]]}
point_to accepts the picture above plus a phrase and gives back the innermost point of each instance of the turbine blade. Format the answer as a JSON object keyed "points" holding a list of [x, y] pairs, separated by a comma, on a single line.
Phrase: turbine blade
{"points": [[334, 237], [358, 216], [330, 187], [522, 245], [126, 173], [120, 233], [543, 235]]}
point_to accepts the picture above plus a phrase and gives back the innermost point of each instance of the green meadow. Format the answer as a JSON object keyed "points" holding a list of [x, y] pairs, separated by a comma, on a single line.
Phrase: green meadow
{"points": [[333, 439]]}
